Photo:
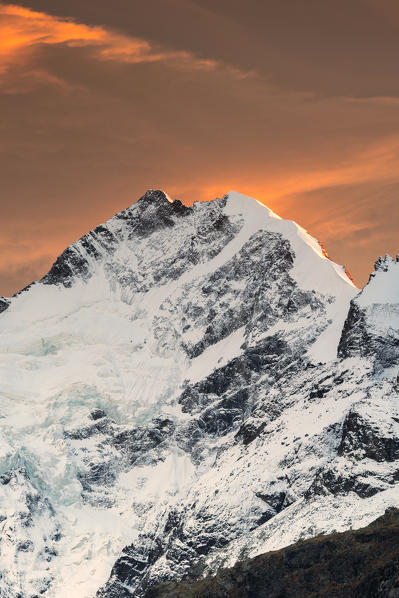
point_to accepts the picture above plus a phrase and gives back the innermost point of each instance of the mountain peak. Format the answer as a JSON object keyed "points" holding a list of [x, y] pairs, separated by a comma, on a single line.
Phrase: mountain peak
{"points": [[155, 195], [383, 284], [155, 205]]}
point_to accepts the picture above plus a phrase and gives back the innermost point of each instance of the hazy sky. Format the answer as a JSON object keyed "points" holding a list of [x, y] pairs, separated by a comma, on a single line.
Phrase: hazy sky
{"points": [[295, 102]]}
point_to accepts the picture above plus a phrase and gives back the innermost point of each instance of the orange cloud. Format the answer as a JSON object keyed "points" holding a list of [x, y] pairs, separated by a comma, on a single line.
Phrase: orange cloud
{"points": [[24, 31], [380, 163]]}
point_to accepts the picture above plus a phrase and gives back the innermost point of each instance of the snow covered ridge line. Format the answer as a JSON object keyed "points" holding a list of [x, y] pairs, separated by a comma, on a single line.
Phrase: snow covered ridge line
{"points": [[160, 211], [187, 386]]}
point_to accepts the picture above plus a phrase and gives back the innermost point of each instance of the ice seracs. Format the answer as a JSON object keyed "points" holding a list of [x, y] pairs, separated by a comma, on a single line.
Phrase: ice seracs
{"points": [[187, 385]]}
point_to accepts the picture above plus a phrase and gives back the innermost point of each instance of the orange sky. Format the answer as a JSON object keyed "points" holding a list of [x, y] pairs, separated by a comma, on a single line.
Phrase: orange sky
{"points": [[294, 103]]}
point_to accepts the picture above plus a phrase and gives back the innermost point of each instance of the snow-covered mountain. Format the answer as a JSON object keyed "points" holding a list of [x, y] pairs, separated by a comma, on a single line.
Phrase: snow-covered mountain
{"points": [[185, 387]]}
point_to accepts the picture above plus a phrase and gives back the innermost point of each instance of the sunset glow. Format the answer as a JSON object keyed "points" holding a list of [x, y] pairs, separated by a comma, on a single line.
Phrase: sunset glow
{"points": [[95, 113]]}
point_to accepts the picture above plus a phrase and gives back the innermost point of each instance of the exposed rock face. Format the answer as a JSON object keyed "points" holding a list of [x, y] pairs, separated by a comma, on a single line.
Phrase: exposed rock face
{"points": [[355, 339], [361, 437], [360, 564], [173, 392]]}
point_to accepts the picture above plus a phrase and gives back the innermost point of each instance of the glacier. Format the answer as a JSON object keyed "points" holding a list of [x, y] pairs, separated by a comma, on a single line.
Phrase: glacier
{"points": [[186, 387]]}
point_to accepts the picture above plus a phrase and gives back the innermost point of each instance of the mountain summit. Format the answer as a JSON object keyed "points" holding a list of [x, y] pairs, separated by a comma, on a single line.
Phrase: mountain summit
{"points": [[185, 387]]}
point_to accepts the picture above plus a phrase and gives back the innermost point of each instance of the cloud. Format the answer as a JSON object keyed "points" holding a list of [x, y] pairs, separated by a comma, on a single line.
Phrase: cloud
{"points": [[22, 30], [25, 32]]}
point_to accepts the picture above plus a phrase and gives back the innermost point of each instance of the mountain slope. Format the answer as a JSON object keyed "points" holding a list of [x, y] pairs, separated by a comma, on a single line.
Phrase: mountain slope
{"points": [[171, 393], [360, 564]]}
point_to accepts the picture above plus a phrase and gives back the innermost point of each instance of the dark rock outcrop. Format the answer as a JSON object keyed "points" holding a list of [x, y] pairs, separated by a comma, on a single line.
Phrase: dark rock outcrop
{"points": [[361, 437], [355, 338], [4, 304]]}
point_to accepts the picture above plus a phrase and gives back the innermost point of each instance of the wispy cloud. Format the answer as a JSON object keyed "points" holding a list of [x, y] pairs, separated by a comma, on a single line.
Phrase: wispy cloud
{"points": [[24, 32]]}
